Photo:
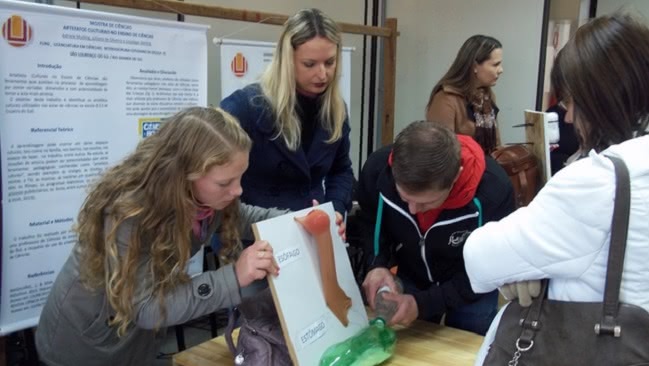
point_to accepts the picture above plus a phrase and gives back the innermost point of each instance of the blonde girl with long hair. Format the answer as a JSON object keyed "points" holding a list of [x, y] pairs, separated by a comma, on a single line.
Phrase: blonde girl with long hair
{"points": [[125, 280]]}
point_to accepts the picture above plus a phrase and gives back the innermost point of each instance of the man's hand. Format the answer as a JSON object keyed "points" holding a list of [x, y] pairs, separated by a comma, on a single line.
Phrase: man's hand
{"points": [[375, 279], [524, 291], [407, 310]]}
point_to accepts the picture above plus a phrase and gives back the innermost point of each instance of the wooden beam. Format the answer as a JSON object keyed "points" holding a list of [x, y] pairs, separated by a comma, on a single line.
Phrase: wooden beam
{"points": [[390, 70], [211, 11]]}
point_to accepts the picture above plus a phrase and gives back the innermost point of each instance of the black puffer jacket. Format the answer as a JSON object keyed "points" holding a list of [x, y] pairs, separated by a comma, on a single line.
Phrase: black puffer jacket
{"points": [[432, 259]]}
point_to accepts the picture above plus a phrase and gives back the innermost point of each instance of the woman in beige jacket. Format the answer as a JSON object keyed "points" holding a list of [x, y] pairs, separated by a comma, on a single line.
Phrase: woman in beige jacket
{"points": [[463, 100]]}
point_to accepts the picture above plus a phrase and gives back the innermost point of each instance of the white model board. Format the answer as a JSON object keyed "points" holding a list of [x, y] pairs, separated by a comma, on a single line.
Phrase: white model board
{"points": [[308, 325]]}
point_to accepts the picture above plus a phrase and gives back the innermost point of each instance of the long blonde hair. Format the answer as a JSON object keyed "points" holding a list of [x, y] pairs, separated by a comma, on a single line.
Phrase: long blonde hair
{"points": [[278, 80], [153, 188]]}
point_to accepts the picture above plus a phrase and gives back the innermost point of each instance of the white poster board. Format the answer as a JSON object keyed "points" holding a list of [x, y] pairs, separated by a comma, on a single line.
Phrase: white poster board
{"points": [[80, 89], [242, 63], [309, 326]]}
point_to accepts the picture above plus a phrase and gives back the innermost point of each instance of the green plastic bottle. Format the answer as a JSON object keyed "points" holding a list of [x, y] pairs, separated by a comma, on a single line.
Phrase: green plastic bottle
{"points": [[371, 346]]}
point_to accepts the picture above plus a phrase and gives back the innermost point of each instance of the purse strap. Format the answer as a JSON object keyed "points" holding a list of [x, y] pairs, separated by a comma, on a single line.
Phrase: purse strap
{"points": [[232, 320], [619, 231]]}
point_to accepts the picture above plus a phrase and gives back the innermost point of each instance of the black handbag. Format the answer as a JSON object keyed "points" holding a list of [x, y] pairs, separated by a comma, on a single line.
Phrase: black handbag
{"points": [[556, 333]]}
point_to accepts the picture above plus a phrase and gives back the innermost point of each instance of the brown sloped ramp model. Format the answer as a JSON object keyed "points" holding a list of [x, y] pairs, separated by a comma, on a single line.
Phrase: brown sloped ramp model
{"points": [[317, 224]]}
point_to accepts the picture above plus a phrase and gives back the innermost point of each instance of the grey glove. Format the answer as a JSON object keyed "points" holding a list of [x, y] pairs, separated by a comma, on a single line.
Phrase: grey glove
{"points": [[524, 291]]}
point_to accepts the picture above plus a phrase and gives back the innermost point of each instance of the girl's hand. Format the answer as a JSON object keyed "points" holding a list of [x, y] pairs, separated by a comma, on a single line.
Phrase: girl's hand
{"points": [[255, 263]]}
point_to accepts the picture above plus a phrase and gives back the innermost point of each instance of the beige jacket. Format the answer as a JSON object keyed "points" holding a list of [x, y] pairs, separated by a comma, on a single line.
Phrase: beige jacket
{"points": [[449, 107]]}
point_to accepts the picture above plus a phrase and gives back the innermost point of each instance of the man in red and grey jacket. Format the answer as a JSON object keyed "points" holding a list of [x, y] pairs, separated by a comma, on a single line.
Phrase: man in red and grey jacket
{"points": [[424, 195]]}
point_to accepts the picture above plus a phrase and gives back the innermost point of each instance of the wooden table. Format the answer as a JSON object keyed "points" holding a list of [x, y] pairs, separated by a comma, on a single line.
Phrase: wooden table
{"points": [[422, 343]]}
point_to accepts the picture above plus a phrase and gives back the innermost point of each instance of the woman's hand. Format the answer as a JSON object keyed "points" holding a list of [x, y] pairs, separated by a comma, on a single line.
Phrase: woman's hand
{"points": [[255, 262], [340, 222]]}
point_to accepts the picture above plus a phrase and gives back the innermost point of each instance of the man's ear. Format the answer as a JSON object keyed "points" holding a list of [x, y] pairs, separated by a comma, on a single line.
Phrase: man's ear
{"points": [[459, 171]]}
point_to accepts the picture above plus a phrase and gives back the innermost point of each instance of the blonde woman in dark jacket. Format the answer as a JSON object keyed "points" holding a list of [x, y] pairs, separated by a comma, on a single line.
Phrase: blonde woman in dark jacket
{"points": [[297, 120]]}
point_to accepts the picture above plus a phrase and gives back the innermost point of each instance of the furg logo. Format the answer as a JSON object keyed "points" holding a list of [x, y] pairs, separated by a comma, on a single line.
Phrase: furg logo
{"points": [[458, 238], [16, 31], [239, 65]]}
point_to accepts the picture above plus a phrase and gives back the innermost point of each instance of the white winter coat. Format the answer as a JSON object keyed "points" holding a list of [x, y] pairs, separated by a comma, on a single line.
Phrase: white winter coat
{"points": [[564, 235]]}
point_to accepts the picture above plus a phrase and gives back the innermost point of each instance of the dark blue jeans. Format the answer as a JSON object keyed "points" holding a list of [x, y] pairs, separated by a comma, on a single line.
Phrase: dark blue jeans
{"points": [[474, 317]]}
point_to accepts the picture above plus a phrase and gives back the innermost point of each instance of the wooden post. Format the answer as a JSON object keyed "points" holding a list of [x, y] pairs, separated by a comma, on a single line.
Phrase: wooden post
{"points": [[3, 352], [390, 70], [535, 125], [30, 345]]}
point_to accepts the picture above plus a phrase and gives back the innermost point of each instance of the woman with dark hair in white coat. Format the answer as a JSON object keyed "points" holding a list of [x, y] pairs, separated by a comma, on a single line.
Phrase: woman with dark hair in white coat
{"points": [[602, 76]]}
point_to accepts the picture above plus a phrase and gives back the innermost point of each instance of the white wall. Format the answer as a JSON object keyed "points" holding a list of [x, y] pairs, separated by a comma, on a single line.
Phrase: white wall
{"points": [[350, 12], [432, 33], [639, 7]]}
